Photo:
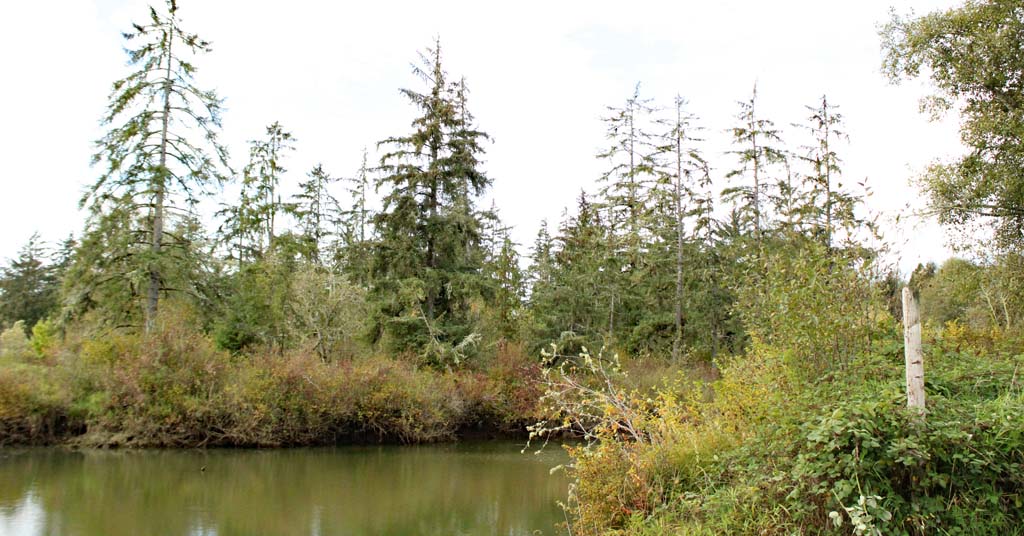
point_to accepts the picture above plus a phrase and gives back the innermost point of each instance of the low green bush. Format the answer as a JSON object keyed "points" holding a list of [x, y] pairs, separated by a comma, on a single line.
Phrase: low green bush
{"points": [[883, 470]]}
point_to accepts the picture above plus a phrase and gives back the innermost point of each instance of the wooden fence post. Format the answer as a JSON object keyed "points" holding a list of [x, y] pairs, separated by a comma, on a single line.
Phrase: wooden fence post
{"points": [[912, 351]]}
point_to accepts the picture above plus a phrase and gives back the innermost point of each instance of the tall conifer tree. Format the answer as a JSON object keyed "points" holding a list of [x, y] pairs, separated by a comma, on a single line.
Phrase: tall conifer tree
{"points": [[316, 210], [262, 177], [755, 139], [428, 260], [627, 181], [686, 167], [353, 246], [28, 286], [827, 204], [161, 150]]}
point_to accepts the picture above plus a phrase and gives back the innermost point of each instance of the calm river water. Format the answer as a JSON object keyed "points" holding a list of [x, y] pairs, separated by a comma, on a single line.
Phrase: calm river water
{"points": [[467, 488]]}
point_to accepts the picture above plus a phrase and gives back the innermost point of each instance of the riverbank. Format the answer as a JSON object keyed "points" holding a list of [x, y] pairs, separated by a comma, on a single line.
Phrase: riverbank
{"points": [[175, 389], [777, 448]]}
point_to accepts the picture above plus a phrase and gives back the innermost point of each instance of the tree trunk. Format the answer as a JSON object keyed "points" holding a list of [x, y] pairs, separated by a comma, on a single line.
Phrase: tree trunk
{"points": [[757, 168], [827, 158], [912, 352], [432, 293], [611, 316], [153, 292], [678, 342]]}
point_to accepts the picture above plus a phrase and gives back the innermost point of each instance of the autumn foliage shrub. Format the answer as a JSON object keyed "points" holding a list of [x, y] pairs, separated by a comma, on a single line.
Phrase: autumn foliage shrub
{"points": [[174, 387], [34, 405], [157, 389], [771, 452], [34, 396], [642, 446]]}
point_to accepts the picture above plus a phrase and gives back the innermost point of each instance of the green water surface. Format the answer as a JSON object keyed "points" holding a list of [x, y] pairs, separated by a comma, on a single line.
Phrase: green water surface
{"points": [[467, 488]]}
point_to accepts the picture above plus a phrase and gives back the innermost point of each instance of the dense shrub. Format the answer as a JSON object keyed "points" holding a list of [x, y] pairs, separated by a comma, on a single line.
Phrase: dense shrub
{"points": [[14, 344], [34, 396], [878, 467], [174, 387], [817, 306], [34, 405], [771, 451], [158, 389]]}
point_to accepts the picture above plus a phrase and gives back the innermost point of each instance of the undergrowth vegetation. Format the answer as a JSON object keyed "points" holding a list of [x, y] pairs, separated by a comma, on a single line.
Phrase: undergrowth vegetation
{"points": [[173, 387], [768, 449]]}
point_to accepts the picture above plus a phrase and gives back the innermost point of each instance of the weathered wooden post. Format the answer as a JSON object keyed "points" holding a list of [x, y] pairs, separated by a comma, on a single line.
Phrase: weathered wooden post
{"points": [[912, 351]]}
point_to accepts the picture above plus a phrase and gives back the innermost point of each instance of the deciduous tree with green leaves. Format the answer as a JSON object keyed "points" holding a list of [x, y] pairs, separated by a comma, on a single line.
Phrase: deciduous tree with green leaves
{"points": [[974, 55]]}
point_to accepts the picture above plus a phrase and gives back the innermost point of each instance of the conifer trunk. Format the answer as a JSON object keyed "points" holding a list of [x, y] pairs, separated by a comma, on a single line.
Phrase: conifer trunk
{"points": [[677, 344], [153, 292], [431, 254], [632, 174], [757, 179], [828, 187]]}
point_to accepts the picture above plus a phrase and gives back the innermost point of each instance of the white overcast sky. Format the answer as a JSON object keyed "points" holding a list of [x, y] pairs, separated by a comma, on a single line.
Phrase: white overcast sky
{"points": [[541, 75]]}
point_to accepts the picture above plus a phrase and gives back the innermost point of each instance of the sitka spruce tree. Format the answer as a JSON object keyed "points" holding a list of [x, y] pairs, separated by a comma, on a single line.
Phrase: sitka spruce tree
{"points": [[352, 247], [262, 177], [626, 185], [686, 167], [506, 291], [826, 208], [29, 286], [569, 301], [317, 213], [249, 224], [757, 149], [428, 257], [159, 154]]}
